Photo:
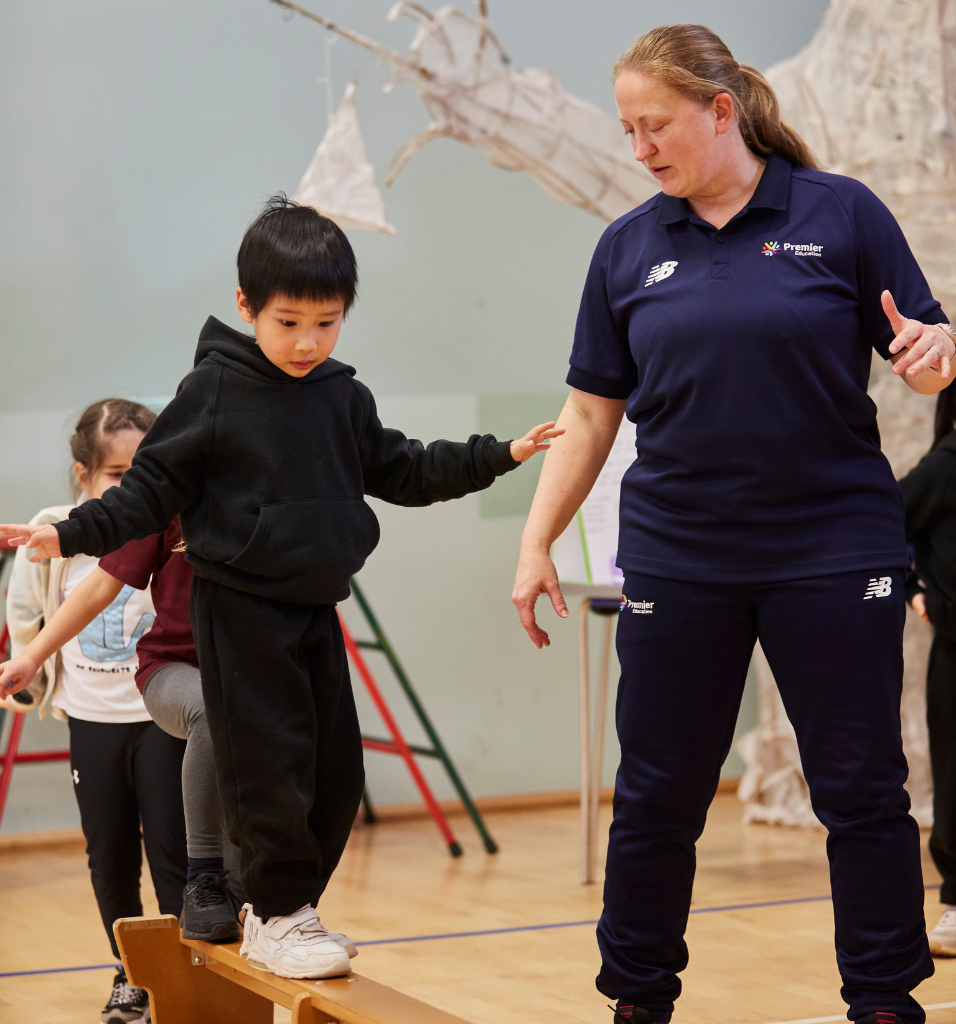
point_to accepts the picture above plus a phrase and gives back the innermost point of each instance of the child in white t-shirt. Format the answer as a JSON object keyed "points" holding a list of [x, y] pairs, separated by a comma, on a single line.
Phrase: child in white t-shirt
{"points": [[126, 771]]}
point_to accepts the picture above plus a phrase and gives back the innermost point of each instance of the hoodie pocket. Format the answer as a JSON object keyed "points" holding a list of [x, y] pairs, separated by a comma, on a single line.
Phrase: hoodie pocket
{"points": [[329, 537]]}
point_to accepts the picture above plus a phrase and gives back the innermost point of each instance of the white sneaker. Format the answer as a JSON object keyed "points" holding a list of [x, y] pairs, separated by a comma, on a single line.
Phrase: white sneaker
{"points": [[294, 946], [942, 939]]}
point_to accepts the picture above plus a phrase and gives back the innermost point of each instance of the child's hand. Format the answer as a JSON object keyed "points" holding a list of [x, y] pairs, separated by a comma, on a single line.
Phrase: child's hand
{"points": [[44, 538], [532, 442], [16, 675]]}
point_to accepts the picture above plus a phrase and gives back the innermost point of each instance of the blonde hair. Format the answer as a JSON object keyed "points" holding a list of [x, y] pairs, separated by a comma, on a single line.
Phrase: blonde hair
{"points": [[696, 63]]}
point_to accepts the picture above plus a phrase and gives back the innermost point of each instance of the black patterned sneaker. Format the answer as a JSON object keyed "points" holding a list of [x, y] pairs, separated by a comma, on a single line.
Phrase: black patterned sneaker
{"points": [[879, 1018], [127, 1005], [210, 911], [633, 1015]]}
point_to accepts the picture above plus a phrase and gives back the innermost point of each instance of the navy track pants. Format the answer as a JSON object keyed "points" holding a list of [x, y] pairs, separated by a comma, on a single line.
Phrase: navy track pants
{"points": [[834, 644]]}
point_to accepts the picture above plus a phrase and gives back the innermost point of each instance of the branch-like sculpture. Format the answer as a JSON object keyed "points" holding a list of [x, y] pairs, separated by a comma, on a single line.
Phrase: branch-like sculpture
{"points": [[521, 119]]}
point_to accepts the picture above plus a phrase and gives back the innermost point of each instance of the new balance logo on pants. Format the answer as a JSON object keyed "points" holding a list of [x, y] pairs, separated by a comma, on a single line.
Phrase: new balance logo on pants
{"points": [[881, 587]]}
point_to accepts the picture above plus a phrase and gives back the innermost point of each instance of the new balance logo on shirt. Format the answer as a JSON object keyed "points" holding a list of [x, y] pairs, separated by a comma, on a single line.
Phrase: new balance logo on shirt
{"points": [[881, 587], [659, 271]]}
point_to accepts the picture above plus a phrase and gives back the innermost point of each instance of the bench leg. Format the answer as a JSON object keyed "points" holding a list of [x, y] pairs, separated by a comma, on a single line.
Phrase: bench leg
{"points": [[179, 992]]}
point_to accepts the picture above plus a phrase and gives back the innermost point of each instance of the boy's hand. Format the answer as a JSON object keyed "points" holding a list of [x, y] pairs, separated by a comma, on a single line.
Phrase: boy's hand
{"points": [[44, 538], [533, 441], [919, 605], [16, 675]]}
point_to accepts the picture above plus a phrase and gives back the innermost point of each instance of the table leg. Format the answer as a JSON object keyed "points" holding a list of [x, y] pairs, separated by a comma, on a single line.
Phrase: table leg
{"points": [[587, 868], [597, 759]]}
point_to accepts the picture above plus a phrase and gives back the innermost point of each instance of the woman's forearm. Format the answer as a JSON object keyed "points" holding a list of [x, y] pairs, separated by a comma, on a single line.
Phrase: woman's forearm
{"points": [[91, 596], [571, 465]]}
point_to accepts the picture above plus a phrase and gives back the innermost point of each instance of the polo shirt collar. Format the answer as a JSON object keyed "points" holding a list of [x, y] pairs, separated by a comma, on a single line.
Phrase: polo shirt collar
{"points": [[772, 193]]}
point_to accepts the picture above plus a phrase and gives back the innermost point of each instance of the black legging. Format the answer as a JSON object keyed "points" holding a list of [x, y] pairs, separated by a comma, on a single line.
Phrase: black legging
{"points": [[941, 719], [124, 774]]}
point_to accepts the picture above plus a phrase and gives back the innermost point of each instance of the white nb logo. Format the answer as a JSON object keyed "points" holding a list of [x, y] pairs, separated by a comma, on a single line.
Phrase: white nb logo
{"points": [[659, 271], [76, 777], [881, 587]]}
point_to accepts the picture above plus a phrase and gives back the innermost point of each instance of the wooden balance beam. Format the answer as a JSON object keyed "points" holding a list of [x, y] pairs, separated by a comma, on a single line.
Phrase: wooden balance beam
{"points": [[193, 982]]}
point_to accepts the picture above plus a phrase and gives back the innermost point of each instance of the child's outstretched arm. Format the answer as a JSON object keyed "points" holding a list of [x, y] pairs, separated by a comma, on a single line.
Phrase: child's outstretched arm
{"points": [[403, 471], [91, 596], [164, 480]]}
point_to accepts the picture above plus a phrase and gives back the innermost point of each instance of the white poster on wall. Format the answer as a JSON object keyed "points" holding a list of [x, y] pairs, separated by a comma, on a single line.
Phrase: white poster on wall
{"points": [[587, 550]]}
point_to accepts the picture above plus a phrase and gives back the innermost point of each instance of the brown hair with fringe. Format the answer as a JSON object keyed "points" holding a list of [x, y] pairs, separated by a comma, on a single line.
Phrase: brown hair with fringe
{"points": [[90, 440], [696, 63]]}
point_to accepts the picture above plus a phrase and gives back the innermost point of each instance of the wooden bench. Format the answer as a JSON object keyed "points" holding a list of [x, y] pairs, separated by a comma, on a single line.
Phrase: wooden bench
{"points": [[192, 982]]}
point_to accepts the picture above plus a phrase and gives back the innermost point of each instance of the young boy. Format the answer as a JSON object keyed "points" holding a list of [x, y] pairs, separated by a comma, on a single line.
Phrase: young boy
{"points": [[265, 453]]}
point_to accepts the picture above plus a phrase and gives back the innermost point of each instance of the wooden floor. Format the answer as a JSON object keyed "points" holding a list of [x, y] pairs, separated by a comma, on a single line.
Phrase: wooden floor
{"points": [[749, 965]]}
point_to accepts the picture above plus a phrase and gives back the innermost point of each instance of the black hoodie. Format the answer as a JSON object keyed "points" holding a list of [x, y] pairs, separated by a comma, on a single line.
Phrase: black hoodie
{"points": [[267, 473], [929, 495]]}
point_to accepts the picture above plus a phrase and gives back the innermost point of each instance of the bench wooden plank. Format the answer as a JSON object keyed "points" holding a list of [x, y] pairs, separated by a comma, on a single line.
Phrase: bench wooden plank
{"points": [[179, 993], [186, 976]]}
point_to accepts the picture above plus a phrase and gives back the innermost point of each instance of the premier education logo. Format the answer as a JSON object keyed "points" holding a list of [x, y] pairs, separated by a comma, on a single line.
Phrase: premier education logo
{"points": [[807, 249]]}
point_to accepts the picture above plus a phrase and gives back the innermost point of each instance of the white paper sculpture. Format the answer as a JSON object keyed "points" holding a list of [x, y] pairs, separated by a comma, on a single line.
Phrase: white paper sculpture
{"points": [[340, 182], [874, 95], [521, 119]]}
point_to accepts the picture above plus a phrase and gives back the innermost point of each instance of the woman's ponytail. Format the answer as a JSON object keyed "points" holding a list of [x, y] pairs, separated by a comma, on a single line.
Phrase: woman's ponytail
{"points": [[760, 123], [696, 62]]}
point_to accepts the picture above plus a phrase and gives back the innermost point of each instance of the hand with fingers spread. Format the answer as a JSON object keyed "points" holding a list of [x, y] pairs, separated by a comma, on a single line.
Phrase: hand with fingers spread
{"points": [[922, 353], [44, 539], [534, 441]]}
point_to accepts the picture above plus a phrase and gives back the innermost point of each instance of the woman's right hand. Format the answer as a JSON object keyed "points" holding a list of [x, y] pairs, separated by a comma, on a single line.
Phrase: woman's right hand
{"points": [[16, 675], [919, 605], [44, 538], [536, 575]]}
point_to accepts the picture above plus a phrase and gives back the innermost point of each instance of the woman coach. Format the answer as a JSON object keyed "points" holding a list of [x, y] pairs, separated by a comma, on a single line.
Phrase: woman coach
{"points": [[732, 317]]}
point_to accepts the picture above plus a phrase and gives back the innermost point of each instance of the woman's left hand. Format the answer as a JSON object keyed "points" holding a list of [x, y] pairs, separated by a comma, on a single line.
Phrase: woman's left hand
{"points": [[919, 348]]}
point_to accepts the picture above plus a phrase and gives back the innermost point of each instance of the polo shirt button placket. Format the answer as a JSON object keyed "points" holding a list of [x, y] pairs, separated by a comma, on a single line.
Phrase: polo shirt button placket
{"points": [[720, 271]]}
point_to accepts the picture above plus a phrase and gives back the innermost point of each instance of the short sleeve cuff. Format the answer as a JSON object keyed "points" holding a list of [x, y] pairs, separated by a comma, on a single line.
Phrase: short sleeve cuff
{"points": [[600, 386]]}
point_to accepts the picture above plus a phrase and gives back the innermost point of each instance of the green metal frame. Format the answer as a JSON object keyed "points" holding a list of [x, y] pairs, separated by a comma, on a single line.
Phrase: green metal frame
{"points": [[437, 748]]}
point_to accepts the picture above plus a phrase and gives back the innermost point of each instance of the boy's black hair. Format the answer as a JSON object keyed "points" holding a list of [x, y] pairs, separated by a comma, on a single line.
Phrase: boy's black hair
{"points": [[293, 250]]}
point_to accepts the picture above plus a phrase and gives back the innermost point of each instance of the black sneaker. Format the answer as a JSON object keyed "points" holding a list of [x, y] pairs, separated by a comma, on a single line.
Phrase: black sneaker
{"points": [[635, 1015], [879, 1018], [210, 911], [127, 1005]]}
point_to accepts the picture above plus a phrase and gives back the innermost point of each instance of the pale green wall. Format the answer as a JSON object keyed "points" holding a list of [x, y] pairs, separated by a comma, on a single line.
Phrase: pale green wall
{"points": [[138, 140]]}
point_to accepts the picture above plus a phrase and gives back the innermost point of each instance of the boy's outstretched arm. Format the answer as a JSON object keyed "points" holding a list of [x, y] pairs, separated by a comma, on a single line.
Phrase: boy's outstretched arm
{"points": [[403, 471]]}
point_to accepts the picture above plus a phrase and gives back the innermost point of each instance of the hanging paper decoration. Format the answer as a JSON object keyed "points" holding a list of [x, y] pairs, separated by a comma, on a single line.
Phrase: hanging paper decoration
{"points": [[521, 119], [340, 182]]}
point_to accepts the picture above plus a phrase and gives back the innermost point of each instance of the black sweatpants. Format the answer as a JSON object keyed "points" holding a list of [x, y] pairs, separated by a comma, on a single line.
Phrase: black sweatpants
{"points": [[941, 719], [123, 774], [834, 644], [285, 738]]}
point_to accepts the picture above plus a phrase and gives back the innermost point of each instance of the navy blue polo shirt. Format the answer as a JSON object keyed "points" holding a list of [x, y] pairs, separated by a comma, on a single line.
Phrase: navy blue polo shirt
{"points": [[744, 355]]}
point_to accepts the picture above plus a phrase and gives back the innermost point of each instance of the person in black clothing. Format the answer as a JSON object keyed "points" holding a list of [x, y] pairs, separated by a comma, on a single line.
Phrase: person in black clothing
{"points": [[266, 453], [929, 494]]}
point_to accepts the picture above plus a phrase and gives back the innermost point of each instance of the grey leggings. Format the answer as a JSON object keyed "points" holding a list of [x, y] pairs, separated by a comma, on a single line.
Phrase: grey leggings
{"points": [[173, 698]]}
